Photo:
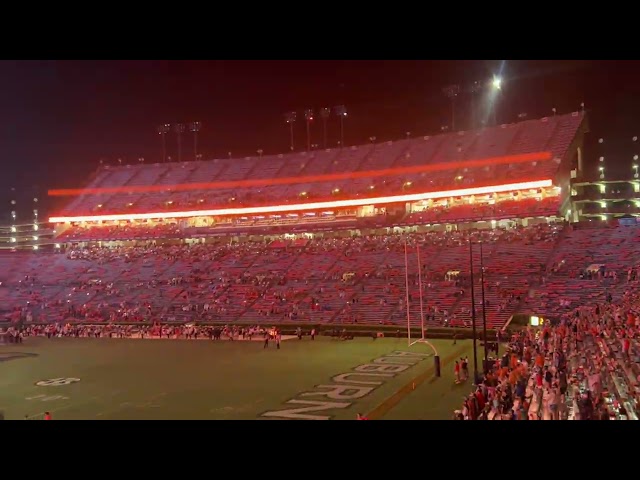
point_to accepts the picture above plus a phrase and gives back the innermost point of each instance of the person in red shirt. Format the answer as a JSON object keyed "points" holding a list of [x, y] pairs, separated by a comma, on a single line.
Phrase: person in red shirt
{"points": [[625, 347], [47, 416]]}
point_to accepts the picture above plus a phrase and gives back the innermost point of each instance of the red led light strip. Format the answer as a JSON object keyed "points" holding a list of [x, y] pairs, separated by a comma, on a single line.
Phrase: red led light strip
{"points": [[415, 197], [261, 182]]}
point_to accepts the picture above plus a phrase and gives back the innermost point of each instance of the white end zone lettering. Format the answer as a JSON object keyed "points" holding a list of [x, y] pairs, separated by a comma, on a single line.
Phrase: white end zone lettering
{"points": [[57, 382], [299, 413], [341, 392]]}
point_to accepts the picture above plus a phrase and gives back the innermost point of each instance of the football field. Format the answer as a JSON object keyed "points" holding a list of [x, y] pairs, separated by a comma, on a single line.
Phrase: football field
{"points": [[202, 379]]}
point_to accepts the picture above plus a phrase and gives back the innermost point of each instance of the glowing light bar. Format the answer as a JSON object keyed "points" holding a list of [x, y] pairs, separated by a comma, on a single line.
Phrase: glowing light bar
{"points": [[415, 197], [261, 182]]}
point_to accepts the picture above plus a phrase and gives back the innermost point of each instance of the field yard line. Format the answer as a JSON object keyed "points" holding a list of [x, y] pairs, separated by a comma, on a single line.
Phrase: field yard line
{"points": [[145, 404], [384, 408], [70, 405]]}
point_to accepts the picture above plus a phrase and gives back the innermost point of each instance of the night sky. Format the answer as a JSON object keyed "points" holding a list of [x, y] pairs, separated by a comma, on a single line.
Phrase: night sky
{"points": [[60, 118]]}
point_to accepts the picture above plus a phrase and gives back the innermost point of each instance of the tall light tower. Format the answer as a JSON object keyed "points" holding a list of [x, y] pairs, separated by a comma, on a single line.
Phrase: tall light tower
{"points": [[324, 113], [451, 92], [308, 116], [474, 90], [162, 131], [341, 111], [290, 119], [195, 127], [179, 129]]}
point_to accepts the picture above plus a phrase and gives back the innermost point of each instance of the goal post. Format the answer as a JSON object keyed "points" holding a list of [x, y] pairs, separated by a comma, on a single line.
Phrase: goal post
{"points": [[422, 338]]}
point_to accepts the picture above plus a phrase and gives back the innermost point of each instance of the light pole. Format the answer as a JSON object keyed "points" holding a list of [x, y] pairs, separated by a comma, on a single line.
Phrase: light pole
{"points": [[451, 92], [162, 131], [341, 111], [259, 152], [290, 118], [475, 89], [308, 116], [473, 316], [324, 113], [195, 127], [484, 312], [179, 129]]}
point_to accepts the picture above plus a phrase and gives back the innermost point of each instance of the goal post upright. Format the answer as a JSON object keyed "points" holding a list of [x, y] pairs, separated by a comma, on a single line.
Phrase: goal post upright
{"points": [[406, 281], [423, 338], [420, 287]]}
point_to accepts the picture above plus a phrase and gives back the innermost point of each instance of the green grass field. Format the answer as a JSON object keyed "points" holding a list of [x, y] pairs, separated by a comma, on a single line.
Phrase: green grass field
{"points": [[186, 379]]}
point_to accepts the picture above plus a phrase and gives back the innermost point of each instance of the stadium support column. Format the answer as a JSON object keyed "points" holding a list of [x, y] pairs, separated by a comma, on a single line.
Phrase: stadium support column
{"points": [[195, 127], [473, 315], [484, 313], [179, 129], [162, 131], [341, 111], [324, 113], [451, 92], [308, 116], [290, 118]]}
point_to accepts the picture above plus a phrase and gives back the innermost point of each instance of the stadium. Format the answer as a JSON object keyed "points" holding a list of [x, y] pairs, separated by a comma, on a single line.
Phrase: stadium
{"points": [[382, 267]]}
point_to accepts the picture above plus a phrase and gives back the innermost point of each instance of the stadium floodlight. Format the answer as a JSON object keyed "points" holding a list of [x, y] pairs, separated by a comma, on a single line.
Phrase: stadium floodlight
{"points": [[162, 131], [451, 92], [195, 127], [179, 129], [341, 111], [308, 116], [496, 83], [290, 118], [324, 114]]}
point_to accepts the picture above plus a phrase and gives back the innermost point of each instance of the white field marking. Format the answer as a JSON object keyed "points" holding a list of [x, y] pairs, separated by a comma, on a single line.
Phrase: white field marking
{"points": [[47, 398], [148, 404], [237, 409], [65, 407]]}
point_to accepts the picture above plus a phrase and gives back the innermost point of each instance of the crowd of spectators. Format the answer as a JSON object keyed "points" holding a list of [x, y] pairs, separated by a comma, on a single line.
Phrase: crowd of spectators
{"points": [[343, 280], [586, 366]]}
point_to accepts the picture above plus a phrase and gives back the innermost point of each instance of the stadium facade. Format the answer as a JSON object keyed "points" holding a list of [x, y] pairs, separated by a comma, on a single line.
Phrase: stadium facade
{"points": [[521, 172]]}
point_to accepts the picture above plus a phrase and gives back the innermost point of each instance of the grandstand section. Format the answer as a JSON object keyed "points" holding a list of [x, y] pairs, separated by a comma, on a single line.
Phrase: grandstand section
{"points": [[506, 186], [494, 173]]}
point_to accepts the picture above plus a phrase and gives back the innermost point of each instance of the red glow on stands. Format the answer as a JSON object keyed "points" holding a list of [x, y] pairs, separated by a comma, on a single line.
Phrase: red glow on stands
{"points": [[261, 182], [415, 197]]}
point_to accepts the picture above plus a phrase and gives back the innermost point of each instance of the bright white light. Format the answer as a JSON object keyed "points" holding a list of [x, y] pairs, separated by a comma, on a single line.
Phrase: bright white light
{"points": [[497, 83], [35, 227], [13, 239], [57, 245], [35, 247], [415, 197], [35, 237]]}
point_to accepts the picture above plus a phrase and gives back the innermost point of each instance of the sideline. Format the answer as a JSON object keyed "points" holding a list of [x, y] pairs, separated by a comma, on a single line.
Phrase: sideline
{"points": [[381, 410]]}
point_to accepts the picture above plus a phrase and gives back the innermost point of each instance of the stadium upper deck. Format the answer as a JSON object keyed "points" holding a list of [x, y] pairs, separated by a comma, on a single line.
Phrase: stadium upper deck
{"points": [[426, 168]]}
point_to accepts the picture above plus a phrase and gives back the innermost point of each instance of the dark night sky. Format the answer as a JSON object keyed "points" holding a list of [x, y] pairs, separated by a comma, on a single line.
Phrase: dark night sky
{"points": [[60, 117]]}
